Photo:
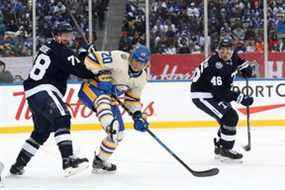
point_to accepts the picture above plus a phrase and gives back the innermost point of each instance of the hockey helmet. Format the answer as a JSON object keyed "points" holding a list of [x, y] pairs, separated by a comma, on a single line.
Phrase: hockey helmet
{"points": [[225, 49], [225, 42], [141, 54]]}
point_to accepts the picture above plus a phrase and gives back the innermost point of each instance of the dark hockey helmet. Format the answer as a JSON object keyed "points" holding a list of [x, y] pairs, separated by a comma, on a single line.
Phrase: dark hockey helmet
{"points": [[225, 48], [225, 42], [62, 27]]}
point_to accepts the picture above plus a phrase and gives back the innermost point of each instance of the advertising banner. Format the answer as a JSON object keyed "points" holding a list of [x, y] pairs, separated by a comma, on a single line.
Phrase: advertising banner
{"points": [[180, 67], [167, 104]]}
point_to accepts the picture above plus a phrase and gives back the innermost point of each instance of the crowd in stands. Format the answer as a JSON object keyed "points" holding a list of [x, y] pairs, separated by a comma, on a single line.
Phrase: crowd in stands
{"points": [[177, 25], [16, 22], [133, 29]]}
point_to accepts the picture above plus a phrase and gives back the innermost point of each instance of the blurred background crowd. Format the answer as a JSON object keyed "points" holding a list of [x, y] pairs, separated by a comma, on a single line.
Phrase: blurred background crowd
{"points": [[16, 22], [176, 26]]}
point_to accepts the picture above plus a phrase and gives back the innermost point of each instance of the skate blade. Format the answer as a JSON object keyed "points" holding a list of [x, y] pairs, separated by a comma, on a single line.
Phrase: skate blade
{"points": [[73, 171], [227, 160], [1, 167], [1, 184], [101, 171]]}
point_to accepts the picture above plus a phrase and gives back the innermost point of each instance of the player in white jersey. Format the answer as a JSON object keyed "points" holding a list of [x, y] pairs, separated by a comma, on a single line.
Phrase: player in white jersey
{"points": [[118, 73]]}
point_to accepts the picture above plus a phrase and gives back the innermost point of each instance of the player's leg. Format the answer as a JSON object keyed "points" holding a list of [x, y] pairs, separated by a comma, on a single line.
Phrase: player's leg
{"points": [[228, 119], [227, 133], [60, 119], [49, 114], [37, 138], [108, 145], [110, 118]]}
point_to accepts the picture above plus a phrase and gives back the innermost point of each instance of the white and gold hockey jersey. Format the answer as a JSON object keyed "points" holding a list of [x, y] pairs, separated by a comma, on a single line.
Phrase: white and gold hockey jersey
{"points": [[118, 63]]}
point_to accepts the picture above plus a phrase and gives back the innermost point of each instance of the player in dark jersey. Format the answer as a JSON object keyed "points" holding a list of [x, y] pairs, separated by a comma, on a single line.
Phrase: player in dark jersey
{"points": [[211, 92], [44, 89]]}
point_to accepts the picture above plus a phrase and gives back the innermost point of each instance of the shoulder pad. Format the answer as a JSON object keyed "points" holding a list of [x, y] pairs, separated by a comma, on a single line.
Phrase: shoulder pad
{"points": [[44, 49]]}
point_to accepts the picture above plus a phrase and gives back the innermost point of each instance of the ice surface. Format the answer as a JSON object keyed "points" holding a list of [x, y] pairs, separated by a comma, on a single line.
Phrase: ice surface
{"points": [[144, 165]]}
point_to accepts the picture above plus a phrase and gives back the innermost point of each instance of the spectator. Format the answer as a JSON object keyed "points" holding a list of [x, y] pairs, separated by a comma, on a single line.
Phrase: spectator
{"points": [[280, 28], [5, 76], [101, 7], [18, 79], [2, 26], [273, 44]]}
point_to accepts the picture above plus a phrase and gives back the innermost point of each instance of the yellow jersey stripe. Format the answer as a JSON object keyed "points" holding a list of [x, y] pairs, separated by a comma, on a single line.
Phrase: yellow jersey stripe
{"points": [[91, 62], [86, 89]]}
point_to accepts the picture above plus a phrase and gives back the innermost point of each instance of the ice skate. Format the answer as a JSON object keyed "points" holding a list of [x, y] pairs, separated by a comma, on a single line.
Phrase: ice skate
{"points": [[73, 165], [101, 165]]}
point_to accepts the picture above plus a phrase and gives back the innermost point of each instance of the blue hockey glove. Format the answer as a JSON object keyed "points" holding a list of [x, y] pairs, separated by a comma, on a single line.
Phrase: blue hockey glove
{"points": [[107, 87], [140, 123], [244, 100]]}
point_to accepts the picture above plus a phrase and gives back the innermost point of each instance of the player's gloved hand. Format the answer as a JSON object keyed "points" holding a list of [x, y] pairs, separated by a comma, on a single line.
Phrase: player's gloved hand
{"points": [[107, 87], [246, 72], [245, 100], [104, 76], [140, 123]]}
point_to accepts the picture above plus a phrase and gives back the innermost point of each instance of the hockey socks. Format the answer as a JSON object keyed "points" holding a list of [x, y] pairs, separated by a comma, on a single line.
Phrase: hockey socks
{"points": [[63, 140], [29, 149]]}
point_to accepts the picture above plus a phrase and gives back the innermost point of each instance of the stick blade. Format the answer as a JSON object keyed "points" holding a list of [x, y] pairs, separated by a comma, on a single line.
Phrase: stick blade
{"points": [[206, 173], [247, 147]]}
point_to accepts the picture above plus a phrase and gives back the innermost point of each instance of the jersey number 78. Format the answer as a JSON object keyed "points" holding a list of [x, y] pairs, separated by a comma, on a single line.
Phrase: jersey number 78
{"points": [[42, 63]]}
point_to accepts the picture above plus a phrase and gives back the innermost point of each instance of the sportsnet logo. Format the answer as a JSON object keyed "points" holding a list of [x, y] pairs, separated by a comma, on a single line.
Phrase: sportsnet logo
{"points": [[258, 109], [263, 90]]}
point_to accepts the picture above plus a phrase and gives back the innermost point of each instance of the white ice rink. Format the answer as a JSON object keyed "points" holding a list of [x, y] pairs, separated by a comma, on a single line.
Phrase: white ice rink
{"points": [[144, 165]]}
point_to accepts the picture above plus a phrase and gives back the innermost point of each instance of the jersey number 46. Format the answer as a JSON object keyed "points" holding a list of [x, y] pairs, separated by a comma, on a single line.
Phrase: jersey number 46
{"points": [[217, 81]]}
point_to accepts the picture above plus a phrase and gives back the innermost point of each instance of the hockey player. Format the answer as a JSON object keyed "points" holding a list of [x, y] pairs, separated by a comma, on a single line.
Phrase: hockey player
{"points": [[211, 92], [118, 73], [44, 90]]}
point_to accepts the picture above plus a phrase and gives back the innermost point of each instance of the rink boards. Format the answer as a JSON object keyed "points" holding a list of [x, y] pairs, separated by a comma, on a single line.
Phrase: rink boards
{"points": [[167, 104]]}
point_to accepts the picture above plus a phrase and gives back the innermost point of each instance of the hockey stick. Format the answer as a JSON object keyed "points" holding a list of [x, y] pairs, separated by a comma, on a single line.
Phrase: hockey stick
{"points": [[248, 146], [205, 173]]}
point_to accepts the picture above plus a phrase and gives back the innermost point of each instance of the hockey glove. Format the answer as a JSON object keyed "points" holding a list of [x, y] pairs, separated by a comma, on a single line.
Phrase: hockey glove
{"points": [[140, 123], [104, 76], [244, 100], [107, 87], [246, 72]]}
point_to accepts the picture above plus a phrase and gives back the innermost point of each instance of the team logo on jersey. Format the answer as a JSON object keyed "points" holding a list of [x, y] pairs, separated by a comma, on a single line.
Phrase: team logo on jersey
{"points": [[230, 63], [124, 56], [219, 65]]}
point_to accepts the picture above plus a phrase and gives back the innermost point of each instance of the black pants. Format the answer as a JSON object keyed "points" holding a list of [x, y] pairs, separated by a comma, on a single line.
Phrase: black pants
{"points": [[225, 115], [212, 107], [50, 114], [46, 109]]}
